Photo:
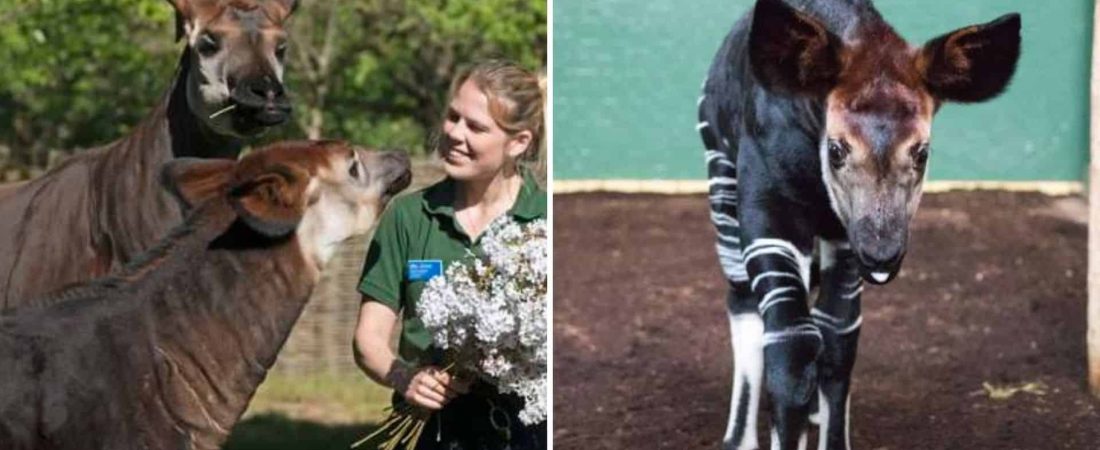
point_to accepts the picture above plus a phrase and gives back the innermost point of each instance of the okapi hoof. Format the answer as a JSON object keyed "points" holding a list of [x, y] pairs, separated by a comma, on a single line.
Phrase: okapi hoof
{"points": [[790, 370]]}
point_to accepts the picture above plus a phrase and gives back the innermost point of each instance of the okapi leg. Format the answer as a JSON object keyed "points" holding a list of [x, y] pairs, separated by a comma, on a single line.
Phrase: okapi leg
{"points": [[746, 327], [837, 314], [746, 335], [779, 270]]}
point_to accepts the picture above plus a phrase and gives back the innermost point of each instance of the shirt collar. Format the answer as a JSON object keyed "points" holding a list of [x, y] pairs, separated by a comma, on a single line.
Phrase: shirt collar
{"points": [[530, 203]]}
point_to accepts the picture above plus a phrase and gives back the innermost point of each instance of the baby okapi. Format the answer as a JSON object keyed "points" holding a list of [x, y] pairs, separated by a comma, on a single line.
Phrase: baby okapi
{"points": [[167, 354], [816, 117]]}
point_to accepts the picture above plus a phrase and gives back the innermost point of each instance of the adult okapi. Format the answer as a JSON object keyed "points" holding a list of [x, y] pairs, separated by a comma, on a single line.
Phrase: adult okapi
{"points": [[816, 117], [167, 353], [100, 208]]}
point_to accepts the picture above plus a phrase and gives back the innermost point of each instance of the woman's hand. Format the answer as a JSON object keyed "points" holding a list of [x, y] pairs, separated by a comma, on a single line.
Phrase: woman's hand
{"points": [[427, 387], [431, 388]]}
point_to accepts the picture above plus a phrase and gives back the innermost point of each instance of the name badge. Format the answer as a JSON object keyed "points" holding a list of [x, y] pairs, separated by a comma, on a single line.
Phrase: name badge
{"points": [[423, 269]]}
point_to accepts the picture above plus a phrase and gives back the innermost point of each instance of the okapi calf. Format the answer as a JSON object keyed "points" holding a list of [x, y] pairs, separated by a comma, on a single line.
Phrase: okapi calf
{"points": [[816, 118], [168, 353], [99, 209]]}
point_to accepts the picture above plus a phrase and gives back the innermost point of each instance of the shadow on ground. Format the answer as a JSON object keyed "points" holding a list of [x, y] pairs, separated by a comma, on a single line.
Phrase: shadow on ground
{"points": [[279, 432]]}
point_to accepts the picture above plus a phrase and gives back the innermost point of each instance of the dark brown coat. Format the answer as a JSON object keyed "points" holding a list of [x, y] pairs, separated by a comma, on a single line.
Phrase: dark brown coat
{"points": [[167, 354], [99, 209]]}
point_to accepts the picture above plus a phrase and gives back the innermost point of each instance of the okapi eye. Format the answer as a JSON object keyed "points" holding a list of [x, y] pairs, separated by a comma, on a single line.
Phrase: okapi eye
{"points": [[354, 170], [280, 51], [919, 153], [838, 152], [208, 44]]}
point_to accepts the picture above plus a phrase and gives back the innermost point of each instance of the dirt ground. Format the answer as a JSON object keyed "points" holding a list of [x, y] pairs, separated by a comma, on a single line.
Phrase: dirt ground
{"points": [[979, 344]]}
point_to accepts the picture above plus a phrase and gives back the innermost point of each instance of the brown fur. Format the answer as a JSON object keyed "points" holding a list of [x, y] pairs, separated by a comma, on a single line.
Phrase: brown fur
{"points": [[209, 11], [167, 354], [97, 210]]}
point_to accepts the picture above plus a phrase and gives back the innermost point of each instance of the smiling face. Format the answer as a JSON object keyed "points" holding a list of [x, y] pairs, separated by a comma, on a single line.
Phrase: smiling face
{"points": [[237, 50], [474, 146], [879, 95]]}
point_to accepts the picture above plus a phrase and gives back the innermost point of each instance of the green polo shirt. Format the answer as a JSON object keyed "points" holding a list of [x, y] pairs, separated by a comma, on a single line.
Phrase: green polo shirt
{"points": [[422, 226]]}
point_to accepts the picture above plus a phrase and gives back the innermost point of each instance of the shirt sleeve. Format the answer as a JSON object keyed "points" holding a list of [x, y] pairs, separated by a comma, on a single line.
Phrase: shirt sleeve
{"points": [[384, 268]]}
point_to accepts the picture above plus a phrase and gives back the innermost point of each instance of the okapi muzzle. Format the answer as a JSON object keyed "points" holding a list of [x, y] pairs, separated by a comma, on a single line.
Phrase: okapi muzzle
{"points": [[261, 101], [879, 96], [238, 48]]}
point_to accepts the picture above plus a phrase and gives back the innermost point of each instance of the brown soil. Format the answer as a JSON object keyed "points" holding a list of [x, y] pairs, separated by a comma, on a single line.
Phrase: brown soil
{"points": [[993, 292]]}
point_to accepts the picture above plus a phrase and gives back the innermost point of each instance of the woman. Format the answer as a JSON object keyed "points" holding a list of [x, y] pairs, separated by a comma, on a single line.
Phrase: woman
{"points": [[494, 122]]}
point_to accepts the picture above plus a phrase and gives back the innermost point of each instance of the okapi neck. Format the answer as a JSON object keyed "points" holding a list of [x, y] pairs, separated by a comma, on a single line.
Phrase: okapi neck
{"points": [[220, 323], [127, 177]]}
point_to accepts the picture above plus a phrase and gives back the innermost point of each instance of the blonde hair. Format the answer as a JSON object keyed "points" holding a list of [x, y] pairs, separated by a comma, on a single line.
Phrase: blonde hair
{"points": [[517, 102]]}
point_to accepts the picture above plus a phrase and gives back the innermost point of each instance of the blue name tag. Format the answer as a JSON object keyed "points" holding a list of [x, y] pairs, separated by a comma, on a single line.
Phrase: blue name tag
{"points": [[423, 269]]}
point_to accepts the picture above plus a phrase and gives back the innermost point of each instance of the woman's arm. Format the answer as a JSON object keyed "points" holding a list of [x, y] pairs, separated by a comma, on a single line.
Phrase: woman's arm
{"points": [[373, 335], [427, 387]]}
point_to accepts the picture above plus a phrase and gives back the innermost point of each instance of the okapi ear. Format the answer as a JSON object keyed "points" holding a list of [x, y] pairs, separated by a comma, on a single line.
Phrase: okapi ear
{"points": [[193, 180], [791, 51], [288, 6], [272, 202], [972, 64], [183, 17]]}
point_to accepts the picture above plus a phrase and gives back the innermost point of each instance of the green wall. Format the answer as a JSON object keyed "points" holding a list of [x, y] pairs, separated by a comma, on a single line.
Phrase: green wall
{"points": [[627, 74]]}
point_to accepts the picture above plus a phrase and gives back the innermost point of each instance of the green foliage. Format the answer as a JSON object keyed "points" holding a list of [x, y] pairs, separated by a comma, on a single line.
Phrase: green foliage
{"points": [[78, 73], [343, 398], [392, 61]]}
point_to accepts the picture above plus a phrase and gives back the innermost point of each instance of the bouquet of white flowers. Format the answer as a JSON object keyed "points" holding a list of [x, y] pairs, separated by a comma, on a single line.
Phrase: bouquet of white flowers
{"points": [[488, 313]]}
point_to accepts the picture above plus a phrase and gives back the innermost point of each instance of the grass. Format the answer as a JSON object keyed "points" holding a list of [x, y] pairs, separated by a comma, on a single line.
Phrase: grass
{"points": [[278, 432], [316, 412]]}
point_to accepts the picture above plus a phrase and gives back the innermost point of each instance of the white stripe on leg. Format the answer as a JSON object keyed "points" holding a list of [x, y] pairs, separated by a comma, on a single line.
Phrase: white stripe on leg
{"points": [[823, 421], [765, 246], [848, 421], [746, 333]]}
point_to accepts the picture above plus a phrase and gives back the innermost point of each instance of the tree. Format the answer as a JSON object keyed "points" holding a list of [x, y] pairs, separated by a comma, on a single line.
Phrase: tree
{"points": [[79, 73], [380, 73]]}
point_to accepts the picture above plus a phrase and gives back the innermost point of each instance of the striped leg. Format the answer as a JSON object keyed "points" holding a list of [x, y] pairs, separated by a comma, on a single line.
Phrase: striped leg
{"points": [[746, 328], [837, 314], [746, 333], [779, 270]]}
